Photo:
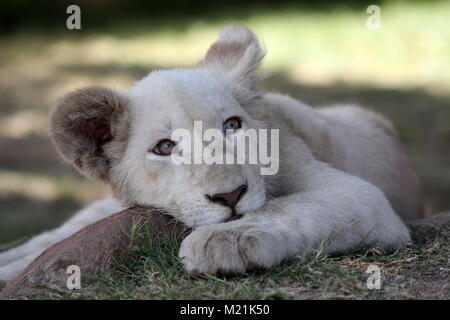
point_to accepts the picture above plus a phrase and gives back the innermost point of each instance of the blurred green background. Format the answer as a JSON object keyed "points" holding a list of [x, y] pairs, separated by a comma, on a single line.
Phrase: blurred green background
{"points": [[321, 54]]}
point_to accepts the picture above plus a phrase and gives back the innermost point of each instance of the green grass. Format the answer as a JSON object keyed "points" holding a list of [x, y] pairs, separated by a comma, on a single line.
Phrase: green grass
{"points": [[419, 271]]}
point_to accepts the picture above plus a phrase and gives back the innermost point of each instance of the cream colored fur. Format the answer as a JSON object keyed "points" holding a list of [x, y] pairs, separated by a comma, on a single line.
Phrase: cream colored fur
{"points": [[342, 171]]}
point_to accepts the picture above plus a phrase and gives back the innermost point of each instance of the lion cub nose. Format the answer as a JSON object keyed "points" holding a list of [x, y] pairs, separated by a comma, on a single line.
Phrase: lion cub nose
{"points": [[229, 199]]}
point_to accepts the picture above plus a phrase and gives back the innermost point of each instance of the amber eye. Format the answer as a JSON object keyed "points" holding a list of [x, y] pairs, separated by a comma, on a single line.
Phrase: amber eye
{"points": [[164, 147], [233, 123]]}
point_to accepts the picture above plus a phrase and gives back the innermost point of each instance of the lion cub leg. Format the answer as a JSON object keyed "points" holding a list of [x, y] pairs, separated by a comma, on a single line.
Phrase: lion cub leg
{"points": [[336, 212]]}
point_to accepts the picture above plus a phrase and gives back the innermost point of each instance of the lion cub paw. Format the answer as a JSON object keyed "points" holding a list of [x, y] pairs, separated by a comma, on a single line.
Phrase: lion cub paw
{"points": [[227, 250]]}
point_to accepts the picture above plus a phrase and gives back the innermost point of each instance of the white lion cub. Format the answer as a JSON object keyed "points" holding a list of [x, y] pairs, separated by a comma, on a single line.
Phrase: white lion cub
{"points": [[343, 178]]}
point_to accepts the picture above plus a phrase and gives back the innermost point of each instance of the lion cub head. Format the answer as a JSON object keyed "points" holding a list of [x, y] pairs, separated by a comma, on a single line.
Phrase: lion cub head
{"points": [[125, 138]]}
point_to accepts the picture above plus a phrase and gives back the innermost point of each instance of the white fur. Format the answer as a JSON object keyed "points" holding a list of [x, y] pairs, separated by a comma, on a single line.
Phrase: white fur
{"points": [[338, 168]]}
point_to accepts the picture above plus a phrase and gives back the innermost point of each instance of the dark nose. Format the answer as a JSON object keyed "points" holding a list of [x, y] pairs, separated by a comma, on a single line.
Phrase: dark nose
{"points": [[229, 199]]}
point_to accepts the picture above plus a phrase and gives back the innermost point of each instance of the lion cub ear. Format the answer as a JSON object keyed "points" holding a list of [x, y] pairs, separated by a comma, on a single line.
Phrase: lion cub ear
{"points": [[236, 53], [90, 129]]}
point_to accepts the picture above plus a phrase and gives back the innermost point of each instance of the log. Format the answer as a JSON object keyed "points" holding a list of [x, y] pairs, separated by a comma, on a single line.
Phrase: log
{"points": [[94, 249]]}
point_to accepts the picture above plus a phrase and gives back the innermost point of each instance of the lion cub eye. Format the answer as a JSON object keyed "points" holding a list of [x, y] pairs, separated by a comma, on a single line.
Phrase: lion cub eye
{"points": [[233, 123], [164, 147]]}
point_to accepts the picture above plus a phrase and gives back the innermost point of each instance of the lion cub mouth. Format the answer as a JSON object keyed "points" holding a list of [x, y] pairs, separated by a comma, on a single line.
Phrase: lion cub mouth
{"points": [[234, 217]]}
